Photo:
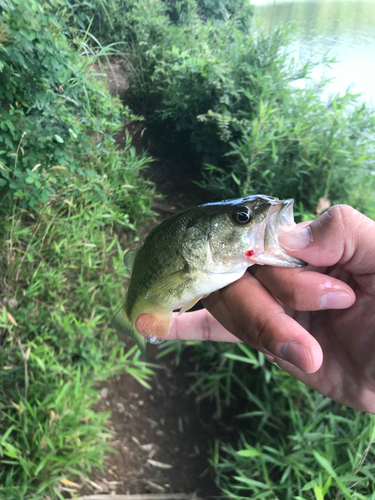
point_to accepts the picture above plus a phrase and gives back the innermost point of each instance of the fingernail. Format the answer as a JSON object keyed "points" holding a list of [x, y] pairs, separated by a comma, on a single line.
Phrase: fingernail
{"points": [[296, 354], [270, 358], [296, 239], [269, 355], [336, 300]]}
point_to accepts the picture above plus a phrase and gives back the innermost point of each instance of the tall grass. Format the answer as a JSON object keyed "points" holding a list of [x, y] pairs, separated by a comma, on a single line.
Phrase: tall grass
{"points": [[62, 278], [68, 196]]}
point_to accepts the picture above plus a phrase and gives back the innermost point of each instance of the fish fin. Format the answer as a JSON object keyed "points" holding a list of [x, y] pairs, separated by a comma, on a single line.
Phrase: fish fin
{"points": [[166, 283], [122, 324], [154, 326], [191, 304], [129, 259]]}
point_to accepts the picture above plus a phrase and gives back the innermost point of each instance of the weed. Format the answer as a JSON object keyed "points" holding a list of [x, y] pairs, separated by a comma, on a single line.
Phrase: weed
{"points": [[57, 345], [68, 192]]}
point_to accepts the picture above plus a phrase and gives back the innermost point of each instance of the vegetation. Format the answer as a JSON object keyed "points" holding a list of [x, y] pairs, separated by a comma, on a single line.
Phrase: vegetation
{"points": [[220, 94], [67, 193], [292, 443], [210, 89]]}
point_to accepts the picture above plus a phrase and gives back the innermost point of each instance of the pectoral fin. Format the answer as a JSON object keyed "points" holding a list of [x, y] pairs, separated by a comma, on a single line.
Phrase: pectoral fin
{"points": [[167, 283], [123, 325]]}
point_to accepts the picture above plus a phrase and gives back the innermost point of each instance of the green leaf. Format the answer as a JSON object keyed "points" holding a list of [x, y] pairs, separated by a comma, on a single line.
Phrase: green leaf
{"points": [[249, 452], [236, 357], [59, 139], [328, 467], [236, 179], [318, 492]]}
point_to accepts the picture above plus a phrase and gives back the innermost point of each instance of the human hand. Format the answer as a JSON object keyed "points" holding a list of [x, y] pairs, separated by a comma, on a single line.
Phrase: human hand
{"points": [[323, 332]]}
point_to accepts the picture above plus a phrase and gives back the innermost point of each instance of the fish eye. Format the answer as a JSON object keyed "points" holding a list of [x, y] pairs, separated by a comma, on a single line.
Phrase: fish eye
{"points": [[242, 215]]}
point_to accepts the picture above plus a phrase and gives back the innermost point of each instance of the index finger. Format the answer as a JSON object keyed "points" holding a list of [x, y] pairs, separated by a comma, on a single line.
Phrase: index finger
{"points": [[199, 325], [264, 325]]}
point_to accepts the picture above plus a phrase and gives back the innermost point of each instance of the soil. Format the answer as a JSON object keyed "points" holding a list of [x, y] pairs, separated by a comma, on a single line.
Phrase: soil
{"points": [[163, 438]]}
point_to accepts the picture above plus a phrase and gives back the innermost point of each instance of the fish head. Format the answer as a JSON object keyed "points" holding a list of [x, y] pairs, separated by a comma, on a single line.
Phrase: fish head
{"points": [[246, 231]]}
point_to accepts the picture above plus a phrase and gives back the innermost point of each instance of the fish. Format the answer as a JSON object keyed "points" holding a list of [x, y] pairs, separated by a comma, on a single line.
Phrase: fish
{"points": [[196, 252]]}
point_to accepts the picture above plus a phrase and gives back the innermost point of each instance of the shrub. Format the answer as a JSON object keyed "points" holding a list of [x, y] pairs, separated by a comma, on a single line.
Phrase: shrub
{"points": [[227, 102], [126, 21], [56, 120], [298, 147]]}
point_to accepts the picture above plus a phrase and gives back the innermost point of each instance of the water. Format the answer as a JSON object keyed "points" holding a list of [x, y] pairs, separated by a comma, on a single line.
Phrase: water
{"points": [[344, 27]]}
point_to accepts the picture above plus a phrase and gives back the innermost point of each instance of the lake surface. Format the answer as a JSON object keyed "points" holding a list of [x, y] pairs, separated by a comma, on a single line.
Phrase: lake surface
{"points": [[344, 27]]}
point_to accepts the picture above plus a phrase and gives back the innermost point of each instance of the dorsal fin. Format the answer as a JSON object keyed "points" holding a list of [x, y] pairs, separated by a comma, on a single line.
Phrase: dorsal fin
{"points": [[129, 259]]}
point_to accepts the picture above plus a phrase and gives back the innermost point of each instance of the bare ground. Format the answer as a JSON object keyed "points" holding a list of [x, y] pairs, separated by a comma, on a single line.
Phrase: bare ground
{"points": [[162, 437]]}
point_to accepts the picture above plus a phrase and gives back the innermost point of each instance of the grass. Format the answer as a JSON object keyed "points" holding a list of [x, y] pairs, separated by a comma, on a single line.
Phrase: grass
{"points": [[288, 442], [62, 279]]}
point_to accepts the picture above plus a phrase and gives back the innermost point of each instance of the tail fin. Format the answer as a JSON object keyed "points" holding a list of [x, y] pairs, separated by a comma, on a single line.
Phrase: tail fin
{"points": [[123, 325]]}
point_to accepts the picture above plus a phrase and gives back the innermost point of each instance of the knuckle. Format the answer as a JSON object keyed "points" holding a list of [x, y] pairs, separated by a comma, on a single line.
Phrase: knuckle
{"points": [[294, 295], [206, 326], [334, 221], [339, 214], [264, 335]]}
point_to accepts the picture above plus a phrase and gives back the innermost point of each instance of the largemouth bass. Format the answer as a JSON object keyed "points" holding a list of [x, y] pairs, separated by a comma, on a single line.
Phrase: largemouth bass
{"points": [[195, 252]]}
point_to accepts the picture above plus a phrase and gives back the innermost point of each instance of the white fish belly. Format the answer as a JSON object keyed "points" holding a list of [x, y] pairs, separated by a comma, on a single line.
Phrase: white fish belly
{"points": [[208, 283]]}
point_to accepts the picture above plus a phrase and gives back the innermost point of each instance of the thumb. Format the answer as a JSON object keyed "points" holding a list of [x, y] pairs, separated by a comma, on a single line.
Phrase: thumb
{"points": [[342, 235]]}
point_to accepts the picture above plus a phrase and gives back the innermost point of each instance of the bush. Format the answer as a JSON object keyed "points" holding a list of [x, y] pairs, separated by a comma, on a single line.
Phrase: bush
{"points": [[127, 21], [56, 120], [220, 95], [300, 148], [227, 103]]}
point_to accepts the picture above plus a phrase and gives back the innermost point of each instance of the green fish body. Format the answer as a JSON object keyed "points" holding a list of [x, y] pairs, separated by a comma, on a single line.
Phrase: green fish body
{"points": [[195, 252]]}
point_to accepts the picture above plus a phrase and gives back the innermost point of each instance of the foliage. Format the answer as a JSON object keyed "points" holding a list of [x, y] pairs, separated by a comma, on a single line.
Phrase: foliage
{"points": [[127, 21], [67, 191], [228, 101], [303, 149], [291, 442], [220, 95], [52, 109], [65, 272], [192, 86]]}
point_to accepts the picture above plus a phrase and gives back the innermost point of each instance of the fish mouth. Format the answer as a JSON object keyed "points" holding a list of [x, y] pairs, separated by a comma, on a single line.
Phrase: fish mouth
{"points": [[280, 218]]}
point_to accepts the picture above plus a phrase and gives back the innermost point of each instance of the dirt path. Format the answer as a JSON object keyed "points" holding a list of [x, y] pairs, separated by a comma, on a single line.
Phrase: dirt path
{"points": [[162, 437]]}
